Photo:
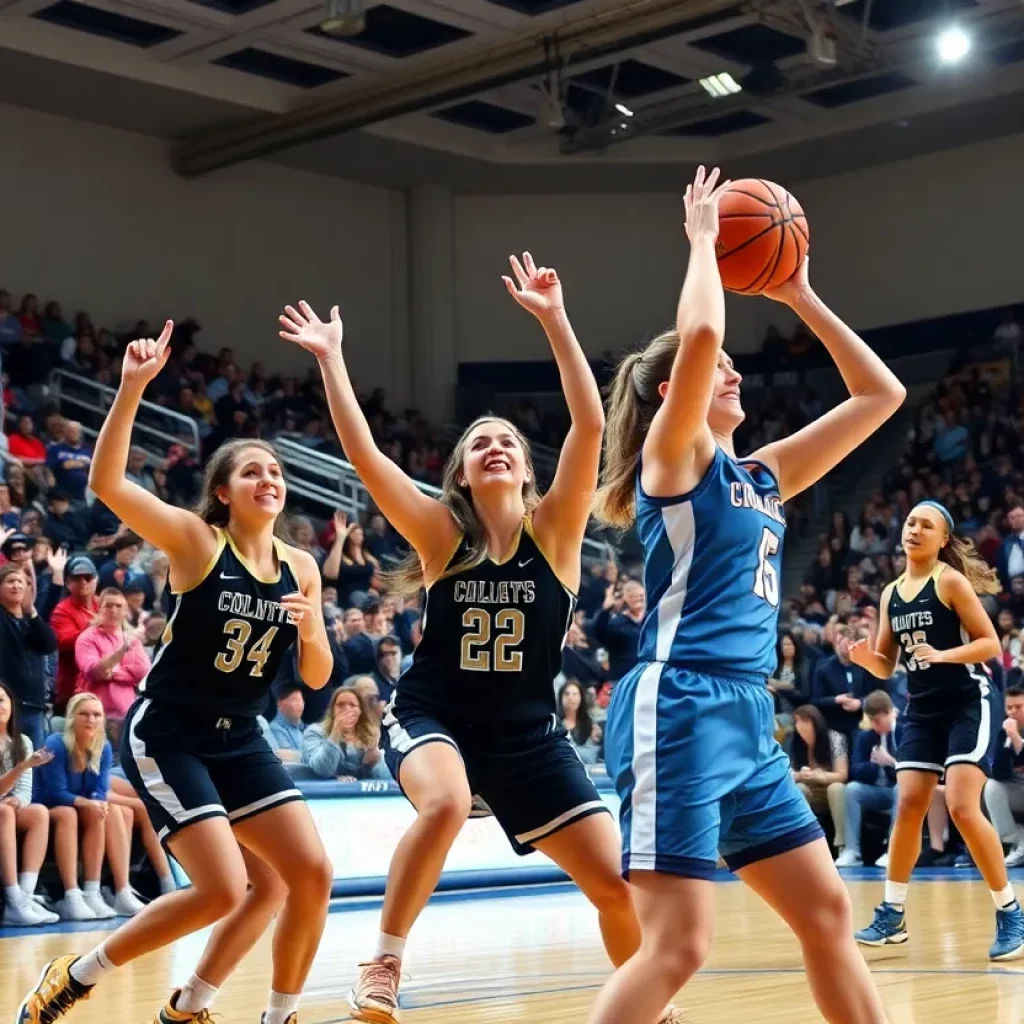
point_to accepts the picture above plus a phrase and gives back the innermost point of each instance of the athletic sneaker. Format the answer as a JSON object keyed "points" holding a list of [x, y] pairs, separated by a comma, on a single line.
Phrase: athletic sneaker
{"points": [[126, 904], [883, 861], [1009, 942], [673, 1015], [293, 1018], [889, 926], [964, 860], [75, 908], [849, 859], [54, 994], [95, 902], [170, 1015], [375, 996], [1015, 857], [22, 912]]}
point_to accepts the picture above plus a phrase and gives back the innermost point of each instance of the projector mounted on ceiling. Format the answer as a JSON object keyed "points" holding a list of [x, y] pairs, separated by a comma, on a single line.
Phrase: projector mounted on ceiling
{"points": [[344, 17]]}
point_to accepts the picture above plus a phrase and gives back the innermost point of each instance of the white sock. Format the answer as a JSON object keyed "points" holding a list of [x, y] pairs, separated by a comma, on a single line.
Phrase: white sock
{"points": [[90, 968], [390, 945], [90, 888], [168, 884], [282, 1006], [1004, 899], [72, 892], [13, 894], [28, 880], [896, 893], [195, 995]]}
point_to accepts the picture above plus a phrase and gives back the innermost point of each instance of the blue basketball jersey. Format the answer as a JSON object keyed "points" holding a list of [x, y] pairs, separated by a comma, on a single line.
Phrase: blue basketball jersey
{"points": [[712, 560]]}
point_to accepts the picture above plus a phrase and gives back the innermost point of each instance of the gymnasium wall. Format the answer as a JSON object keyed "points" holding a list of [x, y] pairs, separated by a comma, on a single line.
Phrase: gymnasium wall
{"points": [[95, 218], [909, 240]]}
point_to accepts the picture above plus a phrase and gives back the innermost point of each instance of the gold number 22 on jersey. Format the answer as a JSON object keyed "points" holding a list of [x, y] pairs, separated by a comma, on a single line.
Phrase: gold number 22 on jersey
{"points": [[239, 631], [506, 658]]}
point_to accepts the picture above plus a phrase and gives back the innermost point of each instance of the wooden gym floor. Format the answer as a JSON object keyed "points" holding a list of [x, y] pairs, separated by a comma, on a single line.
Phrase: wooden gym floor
{"points": [[535, 955]]}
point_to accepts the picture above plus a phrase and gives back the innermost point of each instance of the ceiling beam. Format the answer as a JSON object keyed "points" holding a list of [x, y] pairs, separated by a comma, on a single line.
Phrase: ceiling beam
{"points": [[621, 25]]}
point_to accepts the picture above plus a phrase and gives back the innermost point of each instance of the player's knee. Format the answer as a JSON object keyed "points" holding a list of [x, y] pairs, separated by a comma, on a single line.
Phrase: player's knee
{"points": [[828, 913], [961, 808], [447, 811], [270, 888], [681, 959], [312, 878], [220, 895], [609, 893], [913, 804]]}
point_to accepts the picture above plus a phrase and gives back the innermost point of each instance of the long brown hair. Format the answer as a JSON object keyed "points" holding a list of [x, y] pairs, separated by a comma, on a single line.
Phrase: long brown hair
{"points": [[633, 399], [407, 578], [219, 467], [961, 554], [18, 753], [367, 731]]}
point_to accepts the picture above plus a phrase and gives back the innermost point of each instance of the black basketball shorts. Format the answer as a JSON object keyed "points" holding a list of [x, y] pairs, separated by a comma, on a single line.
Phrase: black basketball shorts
{"points": [[188, 766], [964, 735], [531, 780]]}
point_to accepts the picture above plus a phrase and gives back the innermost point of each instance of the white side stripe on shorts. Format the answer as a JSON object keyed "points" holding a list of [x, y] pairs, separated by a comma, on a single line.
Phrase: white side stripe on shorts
{"points": [[561, 820], [643, 831], [157, 787], [402, 742], [262, 805], [984, 729]]}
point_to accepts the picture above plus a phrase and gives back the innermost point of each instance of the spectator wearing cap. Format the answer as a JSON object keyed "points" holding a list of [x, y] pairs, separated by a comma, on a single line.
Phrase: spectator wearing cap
{"points": [[287, 727], [65, 526], [389, 666], [120, 571], [25, 446], [70, 619], [25, 640], [17, 547], [69, 461]]}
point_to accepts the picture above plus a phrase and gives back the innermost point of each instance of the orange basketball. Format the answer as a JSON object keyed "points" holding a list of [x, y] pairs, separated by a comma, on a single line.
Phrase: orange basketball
{"points": [[762, 236]]}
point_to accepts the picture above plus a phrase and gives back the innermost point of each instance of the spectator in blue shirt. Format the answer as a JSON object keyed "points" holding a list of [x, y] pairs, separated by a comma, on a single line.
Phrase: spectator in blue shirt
{"points": [[287, 727], [952, 439], [345, 744], [75, 785], [69, 461], [872, 785], [10, 325], [1011, 552]]}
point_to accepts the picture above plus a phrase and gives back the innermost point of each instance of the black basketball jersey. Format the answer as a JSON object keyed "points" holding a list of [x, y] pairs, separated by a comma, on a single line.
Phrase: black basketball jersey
{"points": [[934, 690], [492, 640], [225, 639]]}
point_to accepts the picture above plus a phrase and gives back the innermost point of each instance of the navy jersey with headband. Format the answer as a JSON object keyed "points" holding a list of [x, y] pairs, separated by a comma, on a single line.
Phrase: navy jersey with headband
{"points": [[711, 571]]}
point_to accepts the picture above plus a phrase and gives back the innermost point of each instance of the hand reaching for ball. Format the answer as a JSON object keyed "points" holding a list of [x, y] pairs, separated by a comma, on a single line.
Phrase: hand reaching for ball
{"points": [[701, 205]]}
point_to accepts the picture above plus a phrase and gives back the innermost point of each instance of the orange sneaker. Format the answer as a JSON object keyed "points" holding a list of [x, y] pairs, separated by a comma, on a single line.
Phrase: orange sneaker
{"points": [[171, 1015], [55, 993], [375, 996]]}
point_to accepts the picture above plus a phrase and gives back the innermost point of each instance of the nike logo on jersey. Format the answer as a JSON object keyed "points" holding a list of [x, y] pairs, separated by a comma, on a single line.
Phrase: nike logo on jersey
{"points": [[523, 565], [225, 576]]}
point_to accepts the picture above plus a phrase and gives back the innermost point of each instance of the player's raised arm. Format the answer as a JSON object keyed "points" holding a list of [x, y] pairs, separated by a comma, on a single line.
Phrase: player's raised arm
{"points": [[679, 428], [561, 518], [425, 523], [186, 539], [805, 457]]}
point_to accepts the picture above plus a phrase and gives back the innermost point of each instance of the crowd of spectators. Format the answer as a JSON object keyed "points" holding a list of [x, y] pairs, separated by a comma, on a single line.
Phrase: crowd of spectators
{"points": [[84, 602]]}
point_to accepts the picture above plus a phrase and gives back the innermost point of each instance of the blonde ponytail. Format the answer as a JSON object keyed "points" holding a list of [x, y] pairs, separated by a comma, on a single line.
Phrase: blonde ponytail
{"points": [[962, 555], [633, 399]]}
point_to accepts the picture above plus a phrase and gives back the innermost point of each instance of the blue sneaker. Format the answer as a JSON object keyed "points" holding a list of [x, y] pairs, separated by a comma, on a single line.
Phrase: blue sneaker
{"points": [[964, 860], [1009, 934], [889, 926]]}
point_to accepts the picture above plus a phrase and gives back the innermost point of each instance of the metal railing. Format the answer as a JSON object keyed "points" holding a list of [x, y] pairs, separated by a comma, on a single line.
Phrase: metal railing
{"points": [[89, 402]]}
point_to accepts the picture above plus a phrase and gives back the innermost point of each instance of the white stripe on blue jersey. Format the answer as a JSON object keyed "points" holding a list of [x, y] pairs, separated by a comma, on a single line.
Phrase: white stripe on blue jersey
{"points": [[712, 560]]}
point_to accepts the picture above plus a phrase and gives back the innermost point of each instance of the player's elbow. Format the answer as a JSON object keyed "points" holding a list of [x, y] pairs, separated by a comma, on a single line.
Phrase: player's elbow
{"points": [[991, 650], [698, 334]]}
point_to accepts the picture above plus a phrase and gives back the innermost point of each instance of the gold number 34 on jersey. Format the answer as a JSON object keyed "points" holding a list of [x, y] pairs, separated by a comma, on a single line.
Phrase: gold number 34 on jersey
{"points": [[239, 631], [476, 655]]}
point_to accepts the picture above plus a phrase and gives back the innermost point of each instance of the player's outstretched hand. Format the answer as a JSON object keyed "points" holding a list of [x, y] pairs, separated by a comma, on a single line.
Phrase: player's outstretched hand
{"points": [[300, 611], [701, 204], [539, 291], [146, 357], [303, 327], [797, 287]]}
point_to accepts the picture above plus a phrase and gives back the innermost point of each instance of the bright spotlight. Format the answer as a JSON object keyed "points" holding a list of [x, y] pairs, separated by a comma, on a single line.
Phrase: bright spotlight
{"points": [[953, 44], [623, 109]]}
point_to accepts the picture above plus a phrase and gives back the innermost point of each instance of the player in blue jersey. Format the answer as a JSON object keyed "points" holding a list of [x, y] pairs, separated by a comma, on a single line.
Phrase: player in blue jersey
{"points": [[689, 734]]}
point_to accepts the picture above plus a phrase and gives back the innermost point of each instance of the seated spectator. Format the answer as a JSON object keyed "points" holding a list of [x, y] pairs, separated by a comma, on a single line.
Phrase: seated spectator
{"points": [[872, 784], [55, 327], [287, 727], [820, 767], [111, 661], [838, 687], [389, 667], [19, 816], [64, 525], [616, 627], [381, 541], [360, 650], [10, 325], [28, 315], [75, 785], [25, 641], [119, 570], [69, 620], [791, 681], [25, 446], [1011, 554], [138, 472], [577, 721], [69, 461], [344, 744], [1004, 792], [136, 816], [366, 687]]}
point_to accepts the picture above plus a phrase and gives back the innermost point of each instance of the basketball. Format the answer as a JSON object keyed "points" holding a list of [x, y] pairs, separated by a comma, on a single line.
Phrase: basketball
{"points": [[762, 236]]}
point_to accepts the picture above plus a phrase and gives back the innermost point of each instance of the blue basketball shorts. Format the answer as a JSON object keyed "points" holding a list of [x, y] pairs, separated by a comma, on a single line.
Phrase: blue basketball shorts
{"points": [[699, 773]]}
